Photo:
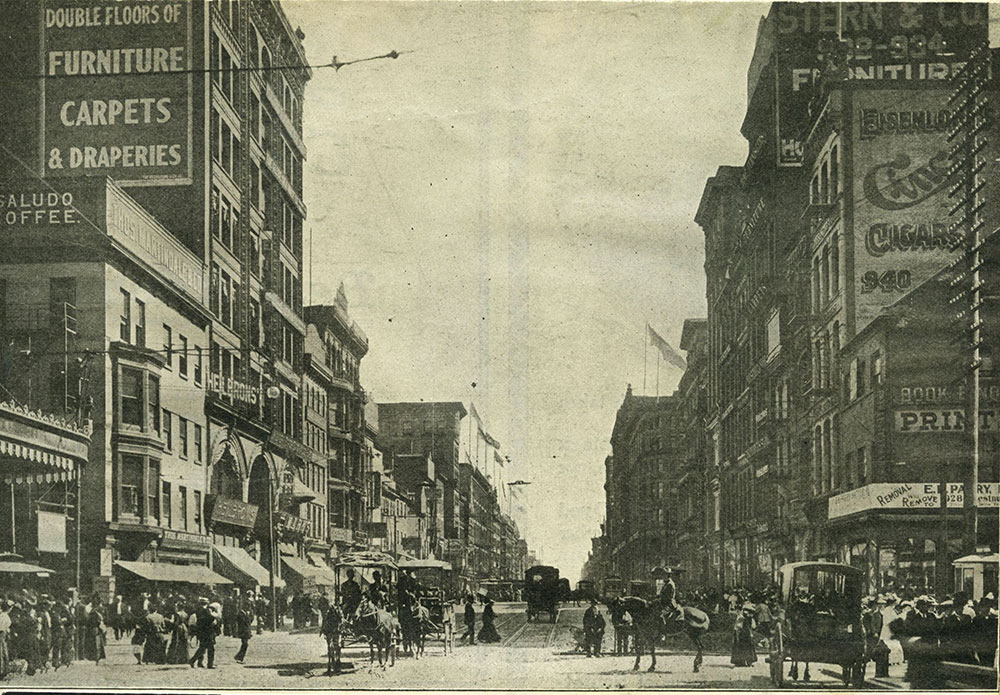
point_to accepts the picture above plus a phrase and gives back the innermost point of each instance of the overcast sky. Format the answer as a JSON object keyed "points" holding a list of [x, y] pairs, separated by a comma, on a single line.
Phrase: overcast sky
{"points": [[510, 202]]}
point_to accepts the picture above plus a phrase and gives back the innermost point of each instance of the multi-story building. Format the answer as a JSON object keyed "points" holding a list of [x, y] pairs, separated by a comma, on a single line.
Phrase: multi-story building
{"points": [[351, 491], [812, 247], [184, 267], [646, 456]]}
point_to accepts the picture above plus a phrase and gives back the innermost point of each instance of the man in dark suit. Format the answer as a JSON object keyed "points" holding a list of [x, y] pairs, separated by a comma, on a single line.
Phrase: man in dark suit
{"points": [[205, 630], [470, 620], [872, 621], [593, 629], [350, 595]]}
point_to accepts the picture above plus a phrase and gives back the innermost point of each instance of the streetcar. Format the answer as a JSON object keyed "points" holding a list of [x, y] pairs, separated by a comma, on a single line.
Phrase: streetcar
{"points": [[640, 588], [585, 590], [542, 591], [819, 620]]}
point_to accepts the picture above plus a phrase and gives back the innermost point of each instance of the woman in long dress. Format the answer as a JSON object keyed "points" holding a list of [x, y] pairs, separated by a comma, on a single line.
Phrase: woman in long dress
{"points": [[179, 652], [488, 633], [889, 614], [744, 653]]}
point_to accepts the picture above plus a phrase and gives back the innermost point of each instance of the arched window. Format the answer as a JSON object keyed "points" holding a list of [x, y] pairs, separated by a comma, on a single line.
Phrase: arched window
{"points": [[225, 478]]}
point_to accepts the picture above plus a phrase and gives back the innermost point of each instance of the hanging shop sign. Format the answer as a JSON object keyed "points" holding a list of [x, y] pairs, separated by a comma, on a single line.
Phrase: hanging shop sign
{"points": [[233, 512], [888, 45], [943, 420], [117, 90], [909, 496]]}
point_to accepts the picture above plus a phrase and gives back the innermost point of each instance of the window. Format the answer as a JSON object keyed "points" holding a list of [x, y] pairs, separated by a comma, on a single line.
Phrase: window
{"points": [[876, 362], [131, 485], [154, 403], [125, 329], [254, 327], [834, 173], [140, 323], [861, 374], [182, 358], [197, 365], [182, 495], [131, 396], [168, 430], [166, 506], [168, 347], [152, 510], [197, 511], [197, 442], [182, 435]]}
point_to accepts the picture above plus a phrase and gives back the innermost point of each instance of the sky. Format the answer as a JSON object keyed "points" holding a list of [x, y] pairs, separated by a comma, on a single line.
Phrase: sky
{"points": [[510, 201]]}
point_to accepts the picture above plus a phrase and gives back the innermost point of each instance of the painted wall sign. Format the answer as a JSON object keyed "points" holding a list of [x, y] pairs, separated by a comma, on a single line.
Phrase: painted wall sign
{"points": [[887, 44], [943, 420], [951, 395], [140, 233], [908, 496], [902, 228], [117, 90]]}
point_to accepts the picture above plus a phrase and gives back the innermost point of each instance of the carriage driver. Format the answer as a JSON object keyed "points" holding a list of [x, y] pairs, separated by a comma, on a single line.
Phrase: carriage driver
{"points": [[666, 593]]}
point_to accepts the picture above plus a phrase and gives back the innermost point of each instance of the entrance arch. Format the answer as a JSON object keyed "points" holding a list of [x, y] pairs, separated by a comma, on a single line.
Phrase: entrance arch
{"points": [[260, 492]]}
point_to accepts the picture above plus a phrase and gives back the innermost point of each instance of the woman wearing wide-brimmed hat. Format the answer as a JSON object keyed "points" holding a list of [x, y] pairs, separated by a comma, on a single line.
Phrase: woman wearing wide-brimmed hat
{"points": [[744, 653]]}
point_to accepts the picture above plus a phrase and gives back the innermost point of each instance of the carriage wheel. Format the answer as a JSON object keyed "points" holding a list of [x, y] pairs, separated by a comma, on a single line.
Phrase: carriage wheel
{"points": [[776, 657]]}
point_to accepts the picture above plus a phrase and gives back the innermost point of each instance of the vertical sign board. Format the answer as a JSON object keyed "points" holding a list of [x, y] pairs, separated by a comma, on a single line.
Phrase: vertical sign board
{"points": [[51, 532], [117, 90], [902, 229], [888, 44]]}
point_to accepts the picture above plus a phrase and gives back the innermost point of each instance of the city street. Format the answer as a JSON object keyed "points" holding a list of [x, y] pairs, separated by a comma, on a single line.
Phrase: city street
{"points": [[530, 656]]}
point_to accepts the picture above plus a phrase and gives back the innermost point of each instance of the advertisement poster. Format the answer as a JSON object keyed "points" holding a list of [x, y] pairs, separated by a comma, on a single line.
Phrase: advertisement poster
{"points": [[891, 45], [903, 231], [117, 87]]}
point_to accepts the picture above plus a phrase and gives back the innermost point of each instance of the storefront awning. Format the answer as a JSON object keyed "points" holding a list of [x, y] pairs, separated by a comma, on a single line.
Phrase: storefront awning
{"points": [[24, 568], [243, 569], [301, 492], [165, 572], [59, 467], [318, 575], [287, 549]]}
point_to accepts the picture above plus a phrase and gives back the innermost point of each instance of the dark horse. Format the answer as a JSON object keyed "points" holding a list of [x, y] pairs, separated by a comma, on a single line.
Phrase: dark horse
{"points": [[648, 626], [378, 627]]}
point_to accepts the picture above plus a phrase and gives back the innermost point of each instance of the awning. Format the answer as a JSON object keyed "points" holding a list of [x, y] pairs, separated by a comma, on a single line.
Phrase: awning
{"points": [[243, 569], [319, 563], [310, 572], [12, 567], [165, 572], [423, 564], [978, 560], [300, 491], [370, 558], [287, 549], [62, 467]]}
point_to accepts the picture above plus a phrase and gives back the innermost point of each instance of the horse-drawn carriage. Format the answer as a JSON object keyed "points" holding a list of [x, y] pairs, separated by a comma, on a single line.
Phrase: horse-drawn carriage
{"points": [[375, 626], [542, 591], [434, 588], [819, 620], [585, 590]]}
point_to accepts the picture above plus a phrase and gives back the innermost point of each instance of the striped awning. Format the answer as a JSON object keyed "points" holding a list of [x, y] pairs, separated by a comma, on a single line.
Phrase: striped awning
{"points": [[62, 467]]}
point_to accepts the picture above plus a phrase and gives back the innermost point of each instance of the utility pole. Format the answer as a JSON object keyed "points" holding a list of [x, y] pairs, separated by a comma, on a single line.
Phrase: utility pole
{"points": [[968, 132]]}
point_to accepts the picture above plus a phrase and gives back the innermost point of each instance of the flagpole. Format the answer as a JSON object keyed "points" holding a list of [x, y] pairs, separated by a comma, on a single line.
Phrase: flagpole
{"points": [[645, 349]]}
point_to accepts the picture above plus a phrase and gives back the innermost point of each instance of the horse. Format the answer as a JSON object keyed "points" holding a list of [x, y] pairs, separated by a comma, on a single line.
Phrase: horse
{"points": [[649, 626], [414, 621], [378, 626]]}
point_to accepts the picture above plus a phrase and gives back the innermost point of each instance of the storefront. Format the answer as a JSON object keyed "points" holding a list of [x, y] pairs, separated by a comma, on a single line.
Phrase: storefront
{"points": [[41, 458]]}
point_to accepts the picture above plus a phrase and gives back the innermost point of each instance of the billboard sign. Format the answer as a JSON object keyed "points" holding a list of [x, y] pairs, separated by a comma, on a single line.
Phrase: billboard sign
{"points": [[890, 45], [117, 90], [877, 496], [902, 231], [943, 420]]}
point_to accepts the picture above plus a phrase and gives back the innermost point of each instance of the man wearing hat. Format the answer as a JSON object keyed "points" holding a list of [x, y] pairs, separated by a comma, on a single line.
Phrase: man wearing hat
{"points": [[593, 629], [666, 593], [205, 630]]}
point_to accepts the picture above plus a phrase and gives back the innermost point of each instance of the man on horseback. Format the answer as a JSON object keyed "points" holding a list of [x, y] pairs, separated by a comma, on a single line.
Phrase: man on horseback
{"points": [[666, 594]]}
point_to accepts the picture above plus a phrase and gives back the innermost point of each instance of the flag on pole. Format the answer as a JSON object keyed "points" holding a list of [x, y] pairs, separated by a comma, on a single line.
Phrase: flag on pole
{"points": [[666, 351]]}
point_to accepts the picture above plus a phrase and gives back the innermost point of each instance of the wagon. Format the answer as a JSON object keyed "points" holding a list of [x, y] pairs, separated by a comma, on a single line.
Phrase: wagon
{"points": [[435, 588], [819, 620], [542, 591]]}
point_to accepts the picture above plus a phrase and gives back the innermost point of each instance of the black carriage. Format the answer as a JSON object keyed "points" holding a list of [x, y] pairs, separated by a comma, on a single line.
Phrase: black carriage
{"points": [[819, 620], [542, 591], [611, 588], [435, 588]]}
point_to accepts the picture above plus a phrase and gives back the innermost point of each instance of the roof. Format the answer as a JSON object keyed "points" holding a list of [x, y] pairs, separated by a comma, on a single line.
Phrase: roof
{"points": [[423, 564], [829, 566], [165, 572], [245, 567], [978, 560], [366, 558]]}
